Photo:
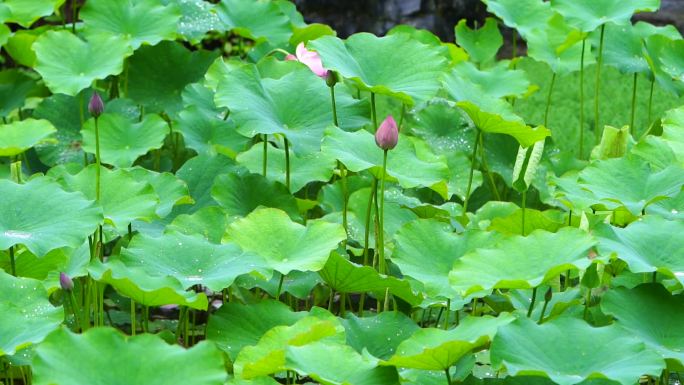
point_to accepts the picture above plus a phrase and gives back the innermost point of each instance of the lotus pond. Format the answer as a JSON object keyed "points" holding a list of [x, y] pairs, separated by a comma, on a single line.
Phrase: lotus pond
{"points": [[218, 192]]}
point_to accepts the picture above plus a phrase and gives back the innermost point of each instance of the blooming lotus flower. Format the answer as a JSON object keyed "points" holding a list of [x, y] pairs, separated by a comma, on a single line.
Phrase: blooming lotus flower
{"points": [[387, 135], [310, 58], [95, 106], [65, 282]]}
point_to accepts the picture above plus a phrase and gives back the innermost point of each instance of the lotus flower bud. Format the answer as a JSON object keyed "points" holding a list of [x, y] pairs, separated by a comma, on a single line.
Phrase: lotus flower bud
{"points": [[387, 135], [290, 56], [65, 282], [95, 106], [331, 78]]}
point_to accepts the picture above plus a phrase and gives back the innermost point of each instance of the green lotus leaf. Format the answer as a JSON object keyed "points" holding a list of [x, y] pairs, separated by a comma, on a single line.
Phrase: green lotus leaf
{"points": [[652, 314], [588, 15], [673, 60], [630, 182], [405, 163], [27, 315], [26, 12], [189, 258], [559, 45], [137, 284], [123, 198], [158, 74], [15, 87], [395, 65], [197, 18], [672, 208], [299, 284], [284, 244], [206, 133], [380, 334], [263, 20], [673, 131], [523, 15], [122, 140], [295, 105], [437, 349], [658, 46], [199, 174], [646, 245], [310, 32], [19, 136], [69, 64], [623, 48], [352, 368], [239, 195], [614, 143], [42, 216], [511, 224], [314, 167], [235, 325], [209, 222], [63, 112], [137, 21], [481, 44], [347, 277], [454, 53], [589, 353], [170, 190], [68, 358], [269, 354], [522, 262], [498, 81], [490, 122], [19, 44]]}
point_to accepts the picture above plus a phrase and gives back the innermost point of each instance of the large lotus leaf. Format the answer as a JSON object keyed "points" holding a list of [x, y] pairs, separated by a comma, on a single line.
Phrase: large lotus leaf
{"points": [[255, 20], [158, 74], [122, 140], [646, 245], [190, 258], [630, 182], [42, 216], [526, 348], [79, 359], [209, 222], [673, 60], [497, 81], [481, 44], [380, 334], [652, 314], [137, 284], [659, 46], [558, 45], [314, 167], [15, 87], [549, 220], [63, 112], [27, 315], [236, 325], [347, 277], [588, 15], [395, 65], [673, 131], [207, 133], [268, 355], [623, 48], [137, 21], [123, 198], [523, 15], [295, 105], [437, 349], [170, 190], [69, 64], [197, 18], [19, 136], [284, 244], [522, 262], [491, 122], [405, 164], [426, 250], [239, 195], [350, 367], [26, 12]]}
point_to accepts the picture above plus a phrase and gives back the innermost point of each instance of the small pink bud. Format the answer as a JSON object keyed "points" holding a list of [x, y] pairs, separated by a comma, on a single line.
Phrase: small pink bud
{"points": [[387, 135], [290, 56], [65, 282], [95, 106]]}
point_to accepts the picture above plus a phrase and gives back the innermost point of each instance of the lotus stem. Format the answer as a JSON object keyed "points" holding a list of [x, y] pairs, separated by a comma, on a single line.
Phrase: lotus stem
{"points": [[97, 160], [446, 319], [472, 172], [634, 98], [495, 191], [541, 316], [265, 154], [280, 286], [548, 101], [366, 234], [75, 309], [598, 85], [13, 263], [448, 376], [133, 318], [334, 105], [374, 116], [524, 201], [650, 100], [287, 164], [381, 222], [581, 100], [343, 171], [532, 301]]}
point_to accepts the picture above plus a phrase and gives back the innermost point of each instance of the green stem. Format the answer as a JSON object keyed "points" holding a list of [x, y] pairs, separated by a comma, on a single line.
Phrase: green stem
{"points": [[81, 112], [374, 115], [133, 318], [97, 160], [634, 98], [366, 234], [280, 286], [534, 299], [334, 105], [75, 309], [287, 164], [13, 263], [448, 376], [524, 199], [650, 101], [541, 316], [87, 302], [486, 168], [265, 155], [598, 84], [446, 319], [381, 222], [548, 101], [345, 201], [472, 171], [343, 304], [330, 300]]}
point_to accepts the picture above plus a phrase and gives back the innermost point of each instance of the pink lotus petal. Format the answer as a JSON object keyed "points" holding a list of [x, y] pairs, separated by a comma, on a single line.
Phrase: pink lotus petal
{"points": [[311, 60]]}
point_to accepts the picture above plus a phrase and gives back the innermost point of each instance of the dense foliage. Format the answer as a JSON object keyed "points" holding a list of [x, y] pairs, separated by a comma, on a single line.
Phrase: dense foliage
{"points": [[218, 193]]}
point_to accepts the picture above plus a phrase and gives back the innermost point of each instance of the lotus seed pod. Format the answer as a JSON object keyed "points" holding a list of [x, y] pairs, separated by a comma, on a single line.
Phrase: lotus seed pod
{"points": [[387, 135], [65, 282], [95, 106]]}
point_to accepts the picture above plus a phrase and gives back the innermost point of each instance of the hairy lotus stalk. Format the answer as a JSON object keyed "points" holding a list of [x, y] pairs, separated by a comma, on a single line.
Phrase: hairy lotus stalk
{"points": [[386, 137]]}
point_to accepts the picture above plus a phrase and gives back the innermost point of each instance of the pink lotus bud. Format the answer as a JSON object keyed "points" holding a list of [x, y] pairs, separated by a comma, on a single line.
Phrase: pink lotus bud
{"points": [[387, 135], [65, 282], [312, 60], [95, 106], [290, 56]]}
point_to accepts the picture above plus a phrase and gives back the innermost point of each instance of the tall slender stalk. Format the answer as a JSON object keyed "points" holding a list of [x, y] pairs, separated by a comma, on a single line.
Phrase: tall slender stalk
{"points": [[97, 160], [343, 171], [598, 85], [581, 100], [133, 318], [448, 376], [650, 101], [13, 263], [472, 171], [366, 234], [634, 98], [483, 160], [548, 101], [532, 301], [265, 154], [381, 221], [287, 163], [524, 199], [374, 116]]}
